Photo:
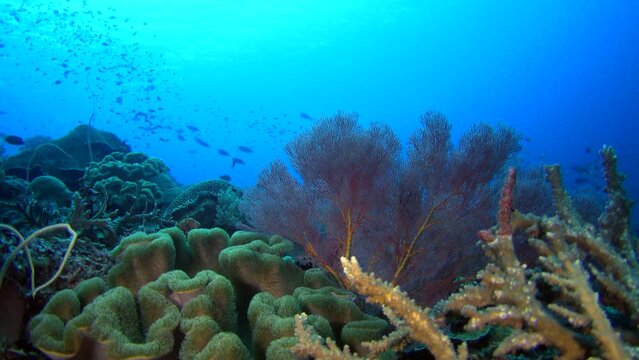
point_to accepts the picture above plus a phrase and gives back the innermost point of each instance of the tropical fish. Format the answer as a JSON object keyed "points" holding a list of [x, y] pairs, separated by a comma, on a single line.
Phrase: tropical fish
{"points": [[192, 128], [140, 116], [305, 116], [202, 142], [225, 177], [583, 169], [245, 149], [237, 161], [14, 140], [223, 152]]}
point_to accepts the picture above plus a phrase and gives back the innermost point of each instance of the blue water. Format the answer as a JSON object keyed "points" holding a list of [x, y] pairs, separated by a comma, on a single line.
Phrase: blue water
{"points": [[564, 74]]}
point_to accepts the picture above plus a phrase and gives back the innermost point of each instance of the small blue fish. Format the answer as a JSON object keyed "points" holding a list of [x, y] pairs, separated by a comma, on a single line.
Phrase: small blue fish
{"points": [[192, 128], [223, 152], [245, 149], [306, 116], [225, 177], [14, 140], [202, 142], [237, 161]]}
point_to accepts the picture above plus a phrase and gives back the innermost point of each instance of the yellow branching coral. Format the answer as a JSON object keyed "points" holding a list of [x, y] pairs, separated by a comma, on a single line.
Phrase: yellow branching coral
{"points": [[422, 327], [311, 344], [568, 248], [410, 321]]}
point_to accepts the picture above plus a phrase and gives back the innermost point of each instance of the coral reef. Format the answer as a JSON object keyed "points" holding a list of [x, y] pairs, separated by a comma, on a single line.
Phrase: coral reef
{"points": [[66, 157], [211, 203], [134, 188], [569, 306], [553, 285]]}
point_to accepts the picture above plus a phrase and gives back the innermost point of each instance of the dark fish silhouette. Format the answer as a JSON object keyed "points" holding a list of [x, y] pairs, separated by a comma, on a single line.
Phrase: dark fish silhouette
{"points": [[140, 116], [306, 116], [582, 169], [202, 142], [237, 161], [580, 180], [181, 138], [245, 149], [192, 128], [14, 140], [223, 152], [225, 177], [588, 150]]}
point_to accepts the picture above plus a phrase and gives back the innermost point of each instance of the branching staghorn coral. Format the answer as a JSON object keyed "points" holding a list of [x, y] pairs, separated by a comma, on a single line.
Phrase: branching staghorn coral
{"points": [[612, 251], [410, 320], [573, 320], [311, 344], [397, 304], [506, 296]]}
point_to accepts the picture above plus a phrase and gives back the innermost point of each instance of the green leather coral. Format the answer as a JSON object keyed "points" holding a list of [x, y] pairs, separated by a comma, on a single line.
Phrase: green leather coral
{"points": [[259, 266], [207, 303], [272, 318], [115, 323], [143, 258], [51, 330], [57, 331], [332, 314], [224, 346], [206, 245], [122, 324]]}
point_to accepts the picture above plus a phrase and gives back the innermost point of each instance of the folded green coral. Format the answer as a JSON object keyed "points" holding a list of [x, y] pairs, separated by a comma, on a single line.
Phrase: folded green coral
{"points": [[111, 326]]}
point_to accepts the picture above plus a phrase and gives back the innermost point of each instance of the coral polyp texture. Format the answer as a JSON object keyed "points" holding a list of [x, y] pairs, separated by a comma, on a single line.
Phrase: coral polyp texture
{"points": [[163, 285]]}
